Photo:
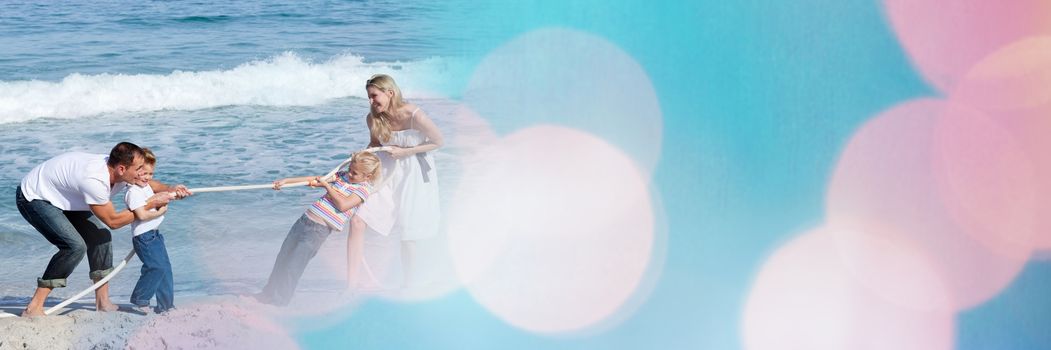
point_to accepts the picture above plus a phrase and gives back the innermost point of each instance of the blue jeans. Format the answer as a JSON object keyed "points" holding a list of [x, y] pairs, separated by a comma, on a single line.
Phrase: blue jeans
{"points": [[156, 274], [74, 234], [302, 244]]}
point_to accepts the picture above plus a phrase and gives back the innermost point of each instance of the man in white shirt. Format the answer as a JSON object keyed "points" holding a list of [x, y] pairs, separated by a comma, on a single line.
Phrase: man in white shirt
{"points": [[61, 195]]}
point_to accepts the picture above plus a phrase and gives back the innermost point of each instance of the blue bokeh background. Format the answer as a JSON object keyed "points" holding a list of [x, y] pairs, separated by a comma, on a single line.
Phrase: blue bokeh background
{"points": [[758, 99]]}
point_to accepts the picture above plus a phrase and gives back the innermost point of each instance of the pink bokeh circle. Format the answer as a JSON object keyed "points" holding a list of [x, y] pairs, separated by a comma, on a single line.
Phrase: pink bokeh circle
{"points": [[986, 180], [944, 39], [885, 183], [1011, 87]]}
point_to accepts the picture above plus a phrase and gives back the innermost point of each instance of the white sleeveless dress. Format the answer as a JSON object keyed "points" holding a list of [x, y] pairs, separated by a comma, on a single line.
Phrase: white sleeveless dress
{"points": [[406, 203]]}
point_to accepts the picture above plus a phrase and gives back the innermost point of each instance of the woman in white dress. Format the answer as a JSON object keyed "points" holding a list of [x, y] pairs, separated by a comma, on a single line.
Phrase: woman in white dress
{"points": [[411, 211]]}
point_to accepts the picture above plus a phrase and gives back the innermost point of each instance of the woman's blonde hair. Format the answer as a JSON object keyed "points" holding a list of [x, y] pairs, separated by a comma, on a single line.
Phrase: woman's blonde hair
{"points": [[371, 164], [379, 123]]}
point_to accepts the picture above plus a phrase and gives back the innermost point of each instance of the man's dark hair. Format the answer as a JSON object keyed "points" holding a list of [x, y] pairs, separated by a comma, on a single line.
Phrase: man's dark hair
{"points": [[123, 153]]}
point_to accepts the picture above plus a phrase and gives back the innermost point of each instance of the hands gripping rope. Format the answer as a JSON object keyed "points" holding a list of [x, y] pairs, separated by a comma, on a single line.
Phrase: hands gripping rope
{"points": [[327, 178]]}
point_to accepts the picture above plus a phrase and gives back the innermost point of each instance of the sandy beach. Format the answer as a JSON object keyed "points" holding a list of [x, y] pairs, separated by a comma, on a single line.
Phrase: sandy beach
{"points": [[227, 321], [214, 322]]}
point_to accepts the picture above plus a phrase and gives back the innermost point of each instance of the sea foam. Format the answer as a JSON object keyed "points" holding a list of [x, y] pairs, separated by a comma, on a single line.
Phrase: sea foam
{"points": [[282, 80]]}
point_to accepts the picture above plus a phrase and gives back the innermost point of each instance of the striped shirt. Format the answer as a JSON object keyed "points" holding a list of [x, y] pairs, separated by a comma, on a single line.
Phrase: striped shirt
{"points": [[325, 209]]}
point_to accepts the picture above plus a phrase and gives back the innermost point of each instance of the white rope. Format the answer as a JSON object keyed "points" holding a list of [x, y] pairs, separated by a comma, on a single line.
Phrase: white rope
{"points": [[293, 184], [243, 187], [82, 293], [93, 287], [123, 263]]}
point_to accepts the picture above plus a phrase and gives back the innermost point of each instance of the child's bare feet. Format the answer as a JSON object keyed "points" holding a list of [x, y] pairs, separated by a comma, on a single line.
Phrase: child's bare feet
{"points": [[261, 298], [36, 312], [105, 306], [145, 310]]}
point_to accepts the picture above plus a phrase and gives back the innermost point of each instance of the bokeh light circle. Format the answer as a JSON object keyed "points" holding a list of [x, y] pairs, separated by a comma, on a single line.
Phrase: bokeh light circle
{"points": [[944, 39], [1010, 86], [554, 76], [804, 298], [554, 232], [885, 183], [986, 180]]}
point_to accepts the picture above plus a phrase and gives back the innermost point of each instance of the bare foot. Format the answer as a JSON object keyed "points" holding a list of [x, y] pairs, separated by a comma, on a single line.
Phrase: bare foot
{"points": [[106, 306], [33, 312], [145, 310], [257, 298]]}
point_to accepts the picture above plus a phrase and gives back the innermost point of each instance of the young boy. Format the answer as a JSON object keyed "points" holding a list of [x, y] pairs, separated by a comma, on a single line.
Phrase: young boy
{"points": [[156, 276]]}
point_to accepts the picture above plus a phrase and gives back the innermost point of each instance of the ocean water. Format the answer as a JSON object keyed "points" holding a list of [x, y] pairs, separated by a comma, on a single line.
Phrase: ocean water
{"points": [[225, 94]]}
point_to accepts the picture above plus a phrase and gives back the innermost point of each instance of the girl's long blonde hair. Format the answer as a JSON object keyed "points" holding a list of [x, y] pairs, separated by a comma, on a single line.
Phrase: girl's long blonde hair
{"points": [[371, 164], [379, 123]]}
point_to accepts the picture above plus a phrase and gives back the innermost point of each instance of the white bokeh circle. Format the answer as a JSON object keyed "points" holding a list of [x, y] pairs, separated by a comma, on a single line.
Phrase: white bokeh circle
{"points": [[555, 230], [575, 79]]}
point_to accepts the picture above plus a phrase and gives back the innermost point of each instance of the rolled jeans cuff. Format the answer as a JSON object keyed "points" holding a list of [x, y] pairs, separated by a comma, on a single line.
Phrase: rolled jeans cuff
{"points": [[54, 283], [99, 274]]}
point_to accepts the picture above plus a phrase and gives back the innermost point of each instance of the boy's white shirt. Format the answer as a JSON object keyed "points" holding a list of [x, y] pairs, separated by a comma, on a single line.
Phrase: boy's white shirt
{"points": [[136, 198]]}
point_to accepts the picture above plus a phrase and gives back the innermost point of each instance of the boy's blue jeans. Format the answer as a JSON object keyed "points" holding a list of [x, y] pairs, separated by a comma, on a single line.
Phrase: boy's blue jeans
{"points": [[302, 244], [73, 233], [156, 277]]}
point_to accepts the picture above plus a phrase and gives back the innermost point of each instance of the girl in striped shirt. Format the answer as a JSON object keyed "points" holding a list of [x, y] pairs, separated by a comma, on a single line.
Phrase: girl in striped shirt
{"points": [[327, 214]]}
